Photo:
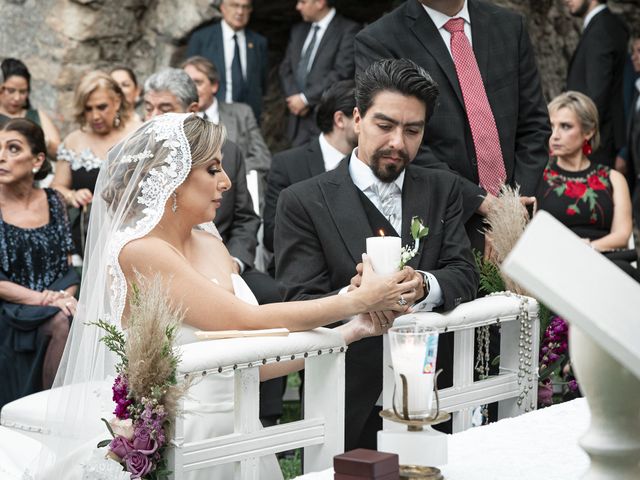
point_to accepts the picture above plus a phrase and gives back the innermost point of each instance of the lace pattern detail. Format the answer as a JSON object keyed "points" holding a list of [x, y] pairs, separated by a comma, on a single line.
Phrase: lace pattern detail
{"points": [[101, 468], [85, 159], [155, 190]]}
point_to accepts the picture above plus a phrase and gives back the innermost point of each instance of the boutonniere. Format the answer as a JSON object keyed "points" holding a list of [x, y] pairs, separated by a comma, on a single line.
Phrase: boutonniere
{"points": [[418, 231]]}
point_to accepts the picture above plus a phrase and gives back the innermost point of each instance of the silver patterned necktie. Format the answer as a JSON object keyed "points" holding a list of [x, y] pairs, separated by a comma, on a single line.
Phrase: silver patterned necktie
{"points": [[390, 198]]}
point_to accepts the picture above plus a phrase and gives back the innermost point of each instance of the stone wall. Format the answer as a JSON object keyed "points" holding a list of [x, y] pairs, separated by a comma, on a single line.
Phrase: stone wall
{"points": [[61, 39]]}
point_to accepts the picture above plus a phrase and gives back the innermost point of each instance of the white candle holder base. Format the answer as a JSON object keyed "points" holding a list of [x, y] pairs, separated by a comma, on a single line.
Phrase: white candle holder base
{"points": [[425, 448]]}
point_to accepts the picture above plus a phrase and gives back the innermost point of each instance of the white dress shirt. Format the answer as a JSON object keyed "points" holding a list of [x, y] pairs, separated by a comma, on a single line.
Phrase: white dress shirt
{"points": [[330, 154], [439, 19], [363, 178], [213, 112], [592, 14], [229, 50], [322, 28]]}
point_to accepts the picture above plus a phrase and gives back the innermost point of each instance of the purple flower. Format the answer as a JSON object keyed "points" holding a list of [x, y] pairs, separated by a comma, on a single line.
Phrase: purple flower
{"points": [[138, 464], [553, 357], [144, 441], [120, 446], [573, 385], [120, 396], [545, 393]]}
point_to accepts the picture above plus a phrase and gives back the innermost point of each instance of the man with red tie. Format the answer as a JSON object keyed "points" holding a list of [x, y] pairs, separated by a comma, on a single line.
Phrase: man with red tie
{"points": [[491, 123]]}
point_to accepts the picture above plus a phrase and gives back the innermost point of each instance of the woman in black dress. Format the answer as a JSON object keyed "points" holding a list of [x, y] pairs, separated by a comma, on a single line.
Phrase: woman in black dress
{"points": [[591, 199], [37, 284]]}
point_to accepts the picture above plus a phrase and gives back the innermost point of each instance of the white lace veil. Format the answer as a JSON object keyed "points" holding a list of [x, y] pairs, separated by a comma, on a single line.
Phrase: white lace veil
{"points": [[132, 190]]}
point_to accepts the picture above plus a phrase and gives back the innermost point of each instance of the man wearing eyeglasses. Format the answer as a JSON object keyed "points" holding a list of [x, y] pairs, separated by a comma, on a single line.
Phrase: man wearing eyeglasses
{"points": [[239, 54]]}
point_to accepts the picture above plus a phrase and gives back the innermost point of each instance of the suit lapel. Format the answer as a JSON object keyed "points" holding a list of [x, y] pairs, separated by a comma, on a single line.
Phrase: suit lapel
{"points": [[217, 47], [226, 119], [297, 51], [413, 205], [480, 27], [328, 39], [315, 161], [343, 203], [252, 60], [427, 33], [584, 33]]}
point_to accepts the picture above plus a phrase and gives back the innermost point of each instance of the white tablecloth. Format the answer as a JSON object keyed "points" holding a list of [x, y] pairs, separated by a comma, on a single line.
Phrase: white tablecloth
{"points": [[540, 444]]}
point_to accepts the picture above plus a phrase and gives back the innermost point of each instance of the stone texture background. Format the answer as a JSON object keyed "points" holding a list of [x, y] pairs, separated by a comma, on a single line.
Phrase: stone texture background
{"points": [[61, 39]]}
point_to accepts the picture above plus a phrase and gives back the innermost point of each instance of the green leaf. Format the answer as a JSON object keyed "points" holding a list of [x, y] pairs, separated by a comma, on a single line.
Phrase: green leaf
{"points": [[560, 190], [109, 427], [103, 443], [551, 369]]}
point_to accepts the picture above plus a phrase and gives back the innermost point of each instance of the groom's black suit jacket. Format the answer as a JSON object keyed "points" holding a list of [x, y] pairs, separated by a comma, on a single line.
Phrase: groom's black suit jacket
{"points": [[320, 235]]}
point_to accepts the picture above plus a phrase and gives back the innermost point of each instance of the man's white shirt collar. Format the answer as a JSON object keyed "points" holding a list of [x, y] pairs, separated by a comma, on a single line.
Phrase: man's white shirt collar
{"points": [[228, 32], [592, 14], [362, 175], [330, 154], [324, 23], [213, 112], [439, 18]]}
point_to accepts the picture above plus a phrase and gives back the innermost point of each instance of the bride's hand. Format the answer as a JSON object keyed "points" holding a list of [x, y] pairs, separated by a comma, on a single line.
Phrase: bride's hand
{"points": [[397, 291], [367, 325]]}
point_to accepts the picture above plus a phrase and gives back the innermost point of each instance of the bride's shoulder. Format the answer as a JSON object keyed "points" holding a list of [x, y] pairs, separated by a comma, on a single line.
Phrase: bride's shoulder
{"points": [[149, 250]]}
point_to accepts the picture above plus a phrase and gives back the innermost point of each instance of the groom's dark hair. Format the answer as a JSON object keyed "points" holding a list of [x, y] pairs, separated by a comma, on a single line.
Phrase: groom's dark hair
{"points": [[402, 76]]}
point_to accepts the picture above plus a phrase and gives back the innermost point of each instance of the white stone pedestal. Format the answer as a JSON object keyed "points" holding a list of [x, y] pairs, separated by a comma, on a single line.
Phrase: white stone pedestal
{"points": [[427, 448]]}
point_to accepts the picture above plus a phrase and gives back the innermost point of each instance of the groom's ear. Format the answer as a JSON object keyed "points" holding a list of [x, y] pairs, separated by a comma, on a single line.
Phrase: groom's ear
{"points": [[193, 108]]}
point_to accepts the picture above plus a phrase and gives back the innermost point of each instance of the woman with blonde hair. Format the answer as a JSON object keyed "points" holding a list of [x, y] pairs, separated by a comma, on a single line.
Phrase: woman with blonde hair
{"points": [[591, 199], [102, 113]]}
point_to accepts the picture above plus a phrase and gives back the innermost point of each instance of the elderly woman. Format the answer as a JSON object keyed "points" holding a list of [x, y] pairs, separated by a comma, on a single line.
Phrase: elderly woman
{"points": [[36, 282], [15, 86], [102, 112], [590, 199], [128, 82]]}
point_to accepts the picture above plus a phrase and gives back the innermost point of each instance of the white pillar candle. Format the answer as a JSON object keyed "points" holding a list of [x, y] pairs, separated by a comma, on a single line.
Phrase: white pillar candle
{"points": [[384, 253]]}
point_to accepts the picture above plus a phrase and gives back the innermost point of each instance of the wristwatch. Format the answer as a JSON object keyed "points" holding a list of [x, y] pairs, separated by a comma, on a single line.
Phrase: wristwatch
{"points": [[425, 287]]}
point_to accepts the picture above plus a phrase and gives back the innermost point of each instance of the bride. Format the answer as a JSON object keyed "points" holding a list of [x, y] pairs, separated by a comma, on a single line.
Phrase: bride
{"points": [[154, 202]]}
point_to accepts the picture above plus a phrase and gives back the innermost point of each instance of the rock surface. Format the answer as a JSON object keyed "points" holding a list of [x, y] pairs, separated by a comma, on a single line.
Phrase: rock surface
{"points": [[61, 39]]}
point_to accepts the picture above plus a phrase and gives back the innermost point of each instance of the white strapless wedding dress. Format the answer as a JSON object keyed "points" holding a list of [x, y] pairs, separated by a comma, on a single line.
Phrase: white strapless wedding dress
{"points": [[208, 413]]}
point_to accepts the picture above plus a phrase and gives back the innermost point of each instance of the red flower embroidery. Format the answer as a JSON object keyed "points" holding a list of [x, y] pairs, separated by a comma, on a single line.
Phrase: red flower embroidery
{"points": [[595, 183], [575, 189], [570, 211], [602, 173]]}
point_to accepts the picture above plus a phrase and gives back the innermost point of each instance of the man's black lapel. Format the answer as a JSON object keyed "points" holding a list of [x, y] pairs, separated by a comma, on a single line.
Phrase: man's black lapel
{"points": [[414, 205], [315, 161], [424, 29], [343, 202], [480, 27]]}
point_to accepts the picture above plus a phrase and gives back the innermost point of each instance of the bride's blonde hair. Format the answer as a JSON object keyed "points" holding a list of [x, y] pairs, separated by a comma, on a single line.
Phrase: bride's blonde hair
{"points": [[205, 139]]}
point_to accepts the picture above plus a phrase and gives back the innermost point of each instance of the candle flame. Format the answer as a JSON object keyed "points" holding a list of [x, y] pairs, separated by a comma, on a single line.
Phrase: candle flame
{"points": [[381, 232]]}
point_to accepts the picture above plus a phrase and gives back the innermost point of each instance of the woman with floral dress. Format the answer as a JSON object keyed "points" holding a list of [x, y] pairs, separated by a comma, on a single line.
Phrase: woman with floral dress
{"points": [[590, 199]]}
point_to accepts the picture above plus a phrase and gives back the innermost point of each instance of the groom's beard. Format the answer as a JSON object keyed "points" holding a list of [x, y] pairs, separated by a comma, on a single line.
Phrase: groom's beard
{"points": [[582, 9], [389, 172]]}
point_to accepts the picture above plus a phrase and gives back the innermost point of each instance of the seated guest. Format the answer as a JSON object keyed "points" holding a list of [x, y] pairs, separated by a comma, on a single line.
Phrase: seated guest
{"points": [[590, 199], [323, 153], [102, 114], [128, 82], [322, 224], [37, 284], [237, 118], [15, 86], [171, 90]]}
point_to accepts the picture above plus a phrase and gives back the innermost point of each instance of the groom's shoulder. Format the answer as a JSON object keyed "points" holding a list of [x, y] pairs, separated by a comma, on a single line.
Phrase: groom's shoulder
{"points": [[439, 176], [311, 187]]}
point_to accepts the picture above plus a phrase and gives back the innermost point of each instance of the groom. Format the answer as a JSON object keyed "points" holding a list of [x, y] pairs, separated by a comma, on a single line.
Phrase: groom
{"points": [[322, 224]]}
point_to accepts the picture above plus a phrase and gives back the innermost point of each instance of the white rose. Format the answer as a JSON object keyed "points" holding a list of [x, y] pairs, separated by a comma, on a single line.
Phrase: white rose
{"points": [[123, 428]]}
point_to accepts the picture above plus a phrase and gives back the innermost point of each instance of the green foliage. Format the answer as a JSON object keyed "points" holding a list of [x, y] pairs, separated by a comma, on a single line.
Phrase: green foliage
{"points": [[418, 230], [490, 279], [114, 339]]}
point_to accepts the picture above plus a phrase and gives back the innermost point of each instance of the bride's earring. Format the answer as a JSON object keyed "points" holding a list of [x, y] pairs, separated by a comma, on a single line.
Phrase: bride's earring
{"points": [[174, 206]]}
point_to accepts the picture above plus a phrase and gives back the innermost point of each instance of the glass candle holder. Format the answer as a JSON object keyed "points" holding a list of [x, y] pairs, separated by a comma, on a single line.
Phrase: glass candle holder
{"points": [[414, 349]]}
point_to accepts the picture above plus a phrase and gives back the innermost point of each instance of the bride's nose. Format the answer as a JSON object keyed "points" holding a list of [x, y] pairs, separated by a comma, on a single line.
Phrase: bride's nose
{"points": [[225, 182]]}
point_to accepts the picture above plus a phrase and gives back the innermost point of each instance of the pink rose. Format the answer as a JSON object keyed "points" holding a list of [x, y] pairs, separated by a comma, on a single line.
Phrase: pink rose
{"points": [[121, 447], [143, 441], [138, 464], [545, 393]]}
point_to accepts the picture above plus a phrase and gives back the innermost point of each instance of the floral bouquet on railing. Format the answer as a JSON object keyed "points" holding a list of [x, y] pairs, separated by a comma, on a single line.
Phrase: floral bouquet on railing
{"points": [[146, 391]]}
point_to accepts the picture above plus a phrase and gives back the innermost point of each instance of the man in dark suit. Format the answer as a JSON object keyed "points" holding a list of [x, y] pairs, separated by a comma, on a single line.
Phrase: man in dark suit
{"points": [[492, 126], [338, 138], [322, 225], [633, 134], [319, 53], [596, 69], [239, 54]]}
